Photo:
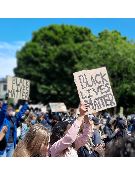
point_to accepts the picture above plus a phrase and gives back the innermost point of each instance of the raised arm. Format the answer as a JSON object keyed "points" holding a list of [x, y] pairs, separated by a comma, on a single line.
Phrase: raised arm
{"points": [[83, 138], [22, 111], [66, 141]]}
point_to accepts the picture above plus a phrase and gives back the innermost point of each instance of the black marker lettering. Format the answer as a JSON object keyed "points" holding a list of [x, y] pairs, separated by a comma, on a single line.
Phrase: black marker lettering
{"points": [[98, 82], [103, 79]]}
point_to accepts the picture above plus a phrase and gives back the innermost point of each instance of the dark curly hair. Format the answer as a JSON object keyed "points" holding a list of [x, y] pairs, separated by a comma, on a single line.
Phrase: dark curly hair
{"points": [[58, 131]]}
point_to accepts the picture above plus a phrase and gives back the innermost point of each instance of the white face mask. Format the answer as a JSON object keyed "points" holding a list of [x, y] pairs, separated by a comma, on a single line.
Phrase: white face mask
{"points": [[13, 113]]}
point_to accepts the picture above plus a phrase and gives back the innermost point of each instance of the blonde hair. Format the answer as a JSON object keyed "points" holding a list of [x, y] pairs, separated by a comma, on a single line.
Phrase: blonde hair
{"points": [[31, 144]]}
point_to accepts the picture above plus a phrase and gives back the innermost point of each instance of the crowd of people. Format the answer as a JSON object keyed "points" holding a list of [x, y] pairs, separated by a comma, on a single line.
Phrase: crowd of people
{"points": [[64, 134]]}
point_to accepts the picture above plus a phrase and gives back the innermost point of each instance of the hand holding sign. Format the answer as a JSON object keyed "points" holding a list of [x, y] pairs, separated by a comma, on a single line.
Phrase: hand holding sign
{"points": [[83, 109]]}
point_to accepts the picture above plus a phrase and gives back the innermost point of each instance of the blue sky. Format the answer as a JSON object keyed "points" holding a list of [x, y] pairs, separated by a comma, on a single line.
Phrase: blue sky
{"points": [[14, 32]]}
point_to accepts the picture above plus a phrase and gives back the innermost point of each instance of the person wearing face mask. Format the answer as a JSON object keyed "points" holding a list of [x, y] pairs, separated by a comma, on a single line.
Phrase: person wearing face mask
{"points": [[9, 118], [32, 119]]}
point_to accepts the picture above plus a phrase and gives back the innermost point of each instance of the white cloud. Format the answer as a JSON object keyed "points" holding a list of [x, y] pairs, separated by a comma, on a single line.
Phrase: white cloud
{"points": [[7, 66], [8, 57]]}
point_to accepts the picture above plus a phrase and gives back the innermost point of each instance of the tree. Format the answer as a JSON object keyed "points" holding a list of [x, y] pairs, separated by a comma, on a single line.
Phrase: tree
{"points": [[119, 58], [56, 52], [49, 61]]}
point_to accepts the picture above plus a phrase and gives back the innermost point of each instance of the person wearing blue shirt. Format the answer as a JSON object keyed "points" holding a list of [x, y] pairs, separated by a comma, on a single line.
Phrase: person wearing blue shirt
{"points": [[10, 119]]}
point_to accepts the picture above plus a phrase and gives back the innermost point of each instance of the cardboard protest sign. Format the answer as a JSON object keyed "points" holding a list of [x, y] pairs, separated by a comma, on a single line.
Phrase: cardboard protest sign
{"points": [[44, 109], [18, 88], [58, 107], [94, 89]]}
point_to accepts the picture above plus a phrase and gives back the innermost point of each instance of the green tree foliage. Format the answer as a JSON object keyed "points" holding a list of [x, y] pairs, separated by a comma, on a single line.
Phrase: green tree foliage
{"points": [[56, 51]]}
